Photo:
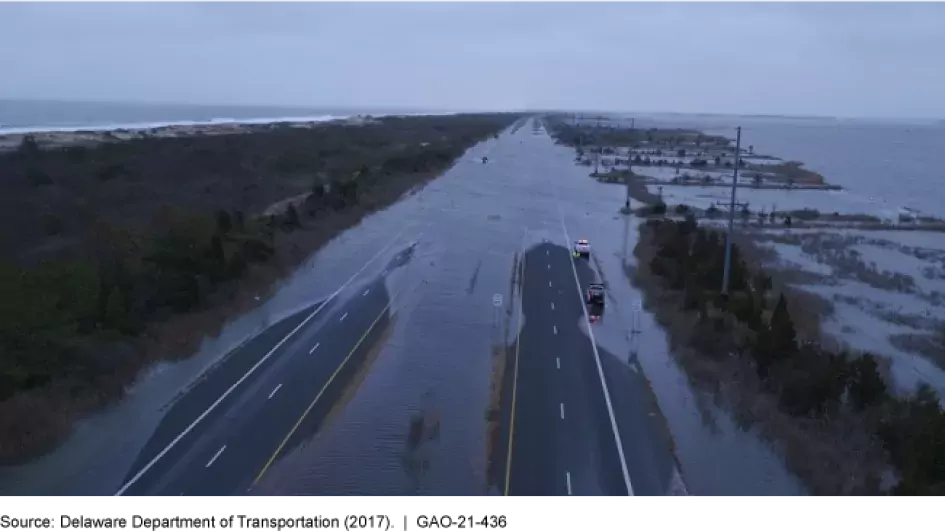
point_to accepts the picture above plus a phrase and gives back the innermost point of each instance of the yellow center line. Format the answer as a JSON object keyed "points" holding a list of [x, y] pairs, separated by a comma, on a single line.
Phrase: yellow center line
{"points": [[320, 393], [508, 458]]}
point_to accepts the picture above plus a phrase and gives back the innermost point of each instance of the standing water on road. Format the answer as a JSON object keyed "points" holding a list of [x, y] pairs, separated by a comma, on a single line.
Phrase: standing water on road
{"points": [[434, 359]]}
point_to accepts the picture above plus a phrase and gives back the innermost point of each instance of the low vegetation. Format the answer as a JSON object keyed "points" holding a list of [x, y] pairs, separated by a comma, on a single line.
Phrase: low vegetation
{"points": [[790, 173], [586, 134], [103, 243], [843, 431], [680, 149]]}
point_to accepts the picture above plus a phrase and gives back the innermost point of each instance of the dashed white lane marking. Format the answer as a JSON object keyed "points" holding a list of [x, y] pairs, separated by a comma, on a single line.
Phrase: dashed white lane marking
{"points": [[562, 410], [343, 317], [558, 362], [274, 391], [555, 329], [215, 456], [366, 292], [567, 477], [251, 370], [549, 267], [549, 283], [546, 252], [600, 369], [313, 348], [552, 306]]}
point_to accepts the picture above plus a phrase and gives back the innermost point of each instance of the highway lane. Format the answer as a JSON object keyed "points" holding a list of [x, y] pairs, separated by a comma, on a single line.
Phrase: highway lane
{"points": [[246, 426], [563, 434], [561, 438]]}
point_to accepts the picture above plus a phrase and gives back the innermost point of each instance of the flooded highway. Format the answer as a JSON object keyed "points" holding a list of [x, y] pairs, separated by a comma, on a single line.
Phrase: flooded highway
{"points": [[373, 361]]}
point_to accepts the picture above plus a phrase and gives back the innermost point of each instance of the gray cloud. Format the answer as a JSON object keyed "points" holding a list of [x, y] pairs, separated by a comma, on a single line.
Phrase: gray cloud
{"points": [[847, 59]]}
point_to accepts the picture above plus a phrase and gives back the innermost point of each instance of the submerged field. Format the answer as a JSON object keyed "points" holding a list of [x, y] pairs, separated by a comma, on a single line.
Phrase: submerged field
{"points": [[879, 267], [860, 275]]}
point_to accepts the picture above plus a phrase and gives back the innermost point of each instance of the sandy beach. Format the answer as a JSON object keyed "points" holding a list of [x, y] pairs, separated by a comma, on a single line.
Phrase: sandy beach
{"points": [[68, 137]]}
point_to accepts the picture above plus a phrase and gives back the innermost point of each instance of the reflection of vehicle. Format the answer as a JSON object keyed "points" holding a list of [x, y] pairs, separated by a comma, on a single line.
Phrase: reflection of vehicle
{"points": [[582, 249], [595, 301]]}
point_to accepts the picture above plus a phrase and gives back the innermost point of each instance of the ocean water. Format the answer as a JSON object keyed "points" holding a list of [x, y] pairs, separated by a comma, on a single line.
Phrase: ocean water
{"points": [[22, 116], [719, 458], [897, 164]]}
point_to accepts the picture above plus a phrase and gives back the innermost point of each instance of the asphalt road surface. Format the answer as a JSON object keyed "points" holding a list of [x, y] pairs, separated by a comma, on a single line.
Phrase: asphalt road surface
{"points": [[565, 426], [221, 436], [574, 418]]}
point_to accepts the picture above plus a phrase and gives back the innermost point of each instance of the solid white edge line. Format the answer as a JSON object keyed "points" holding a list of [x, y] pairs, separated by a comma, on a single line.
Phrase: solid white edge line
{"points": [[343, 317], [600, 368], [567, 478], [274, 391], [251, 370], [314, 348], [215, 456]]}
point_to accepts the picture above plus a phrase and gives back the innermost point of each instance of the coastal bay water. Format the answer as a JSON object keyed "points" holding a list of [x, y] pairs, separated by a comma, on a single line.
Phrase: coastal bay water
{"points": [[893, 164], [784, 138]]}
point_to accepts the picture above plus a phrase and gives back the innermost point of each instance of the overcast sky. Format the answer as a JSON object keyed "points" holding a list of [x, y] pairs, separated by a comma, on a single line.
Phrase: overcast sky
{"points": [[885, 60]]}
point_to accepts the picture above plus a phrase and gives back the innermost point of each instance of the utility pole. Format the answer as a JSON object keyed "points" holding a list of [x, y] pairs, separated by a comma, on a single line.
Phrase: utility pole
{"points": [[627, 180], [731, 214], [629, 175]]}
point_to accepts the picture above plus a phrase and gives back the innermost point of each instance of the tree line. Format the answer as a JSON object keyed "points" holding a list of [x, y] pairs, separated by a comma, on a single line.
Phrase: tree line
{"points": [[61, 315], [808, 380]]}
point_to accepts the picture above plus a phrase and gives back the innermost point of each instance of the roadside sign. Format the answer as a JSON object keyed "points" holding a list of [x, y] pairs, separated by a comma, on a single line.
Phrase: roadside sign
{"points": [[637, 305], [497, 300]]}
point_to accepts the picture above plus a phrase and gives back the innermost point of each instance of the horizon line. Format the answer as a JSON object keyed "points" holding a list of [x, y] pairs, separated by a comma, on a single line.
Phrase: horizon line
{"points": [[472, 109]]}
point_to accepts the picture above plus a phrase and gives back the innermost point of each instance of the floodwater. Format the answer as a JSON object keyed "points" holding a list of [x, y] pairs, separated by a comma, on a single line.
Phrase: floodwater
{"points": [[895, 164], [468, 226], [825, 201], [860, 310]]}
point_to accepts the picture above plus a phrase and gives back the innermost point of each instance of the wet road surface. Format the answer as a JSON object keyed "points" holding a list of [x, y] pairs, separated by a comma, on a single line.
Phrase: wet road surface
{"points": [[563, 438], [222, 435], [404, 412]]}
